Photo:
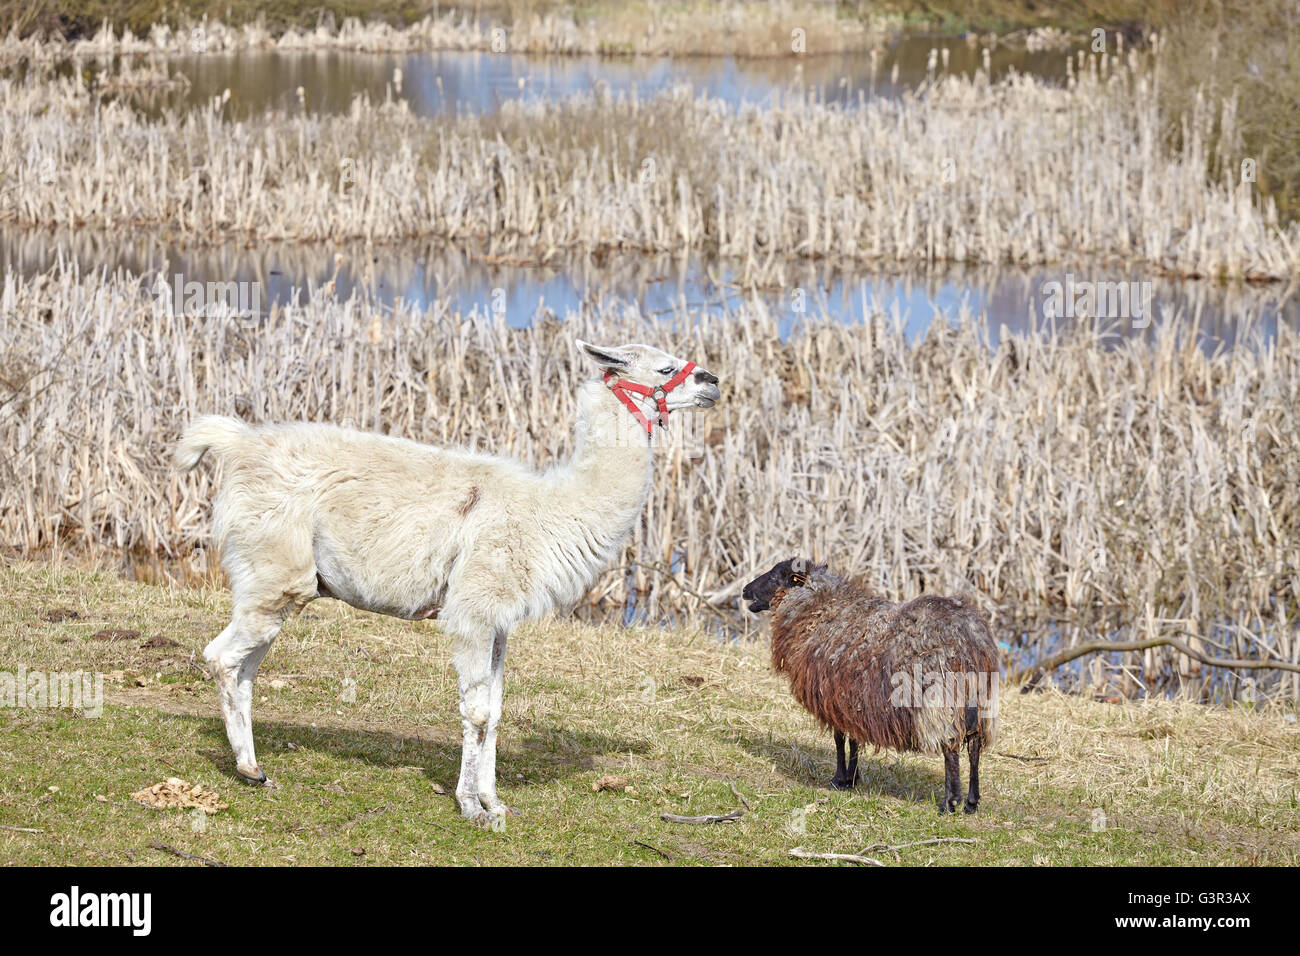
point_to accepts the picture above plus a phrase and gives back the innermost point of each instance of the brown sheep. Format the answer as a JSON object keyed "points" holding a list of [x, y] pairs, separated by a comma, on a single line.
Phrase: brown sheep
{"points": [[921, 676]]}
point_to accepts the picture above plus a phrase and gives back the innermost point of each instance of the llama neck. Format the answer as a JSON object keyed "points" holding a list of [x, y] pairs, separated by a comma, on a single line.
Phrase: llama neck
{"points": [[606, 482]]}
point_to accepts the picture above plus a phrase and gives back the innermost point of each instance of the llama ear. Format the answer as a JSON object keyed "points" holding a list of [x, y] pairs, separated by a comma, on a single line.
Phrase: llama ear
{"points": [[799, 566], [605, 358]]}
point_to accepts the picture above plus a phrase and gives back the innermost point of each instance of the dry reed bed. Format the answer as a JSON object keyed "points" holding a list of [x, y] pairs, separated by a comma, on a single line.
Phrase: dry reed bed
{"points": [[966, 171], [1145, 487], [739, 29]]}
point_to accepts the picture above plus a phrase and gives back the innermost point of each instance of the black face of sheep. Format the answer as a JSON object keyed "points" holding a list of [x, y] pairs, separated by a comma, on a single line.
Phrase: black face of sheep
{"points": [[785, 575]]}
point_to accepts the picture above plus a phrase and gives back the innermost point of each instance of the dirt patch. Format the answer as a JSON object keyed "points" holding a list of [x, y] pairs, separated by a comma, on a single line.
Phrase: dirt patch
{"points": [[57, 614], [114, 634]]}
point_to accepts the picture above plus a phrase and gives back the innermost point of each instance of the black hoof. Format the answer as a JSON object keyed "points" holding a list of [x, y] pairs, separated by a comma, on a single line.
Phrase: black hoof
{"points": [[948, 806], [971, 807], [838, 783]]}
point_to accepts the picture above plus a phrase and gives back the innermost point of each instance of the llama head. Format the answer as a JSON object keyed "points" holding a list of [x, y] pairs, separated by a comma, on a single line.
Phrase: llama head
{"points": [[650, 366], [766, 588]]}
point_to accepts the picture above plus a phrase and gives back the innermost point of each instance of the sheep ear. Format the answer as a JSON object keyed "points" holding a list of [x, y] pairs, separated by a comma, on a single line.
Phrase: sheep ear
{"points": [[604, 357]]}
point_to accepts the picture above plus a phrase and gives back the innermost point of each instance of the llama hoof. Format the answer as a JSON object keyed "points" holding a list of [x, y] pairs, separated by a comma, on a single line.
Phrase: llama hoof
{"points": [[474, 811], [948, 806], [485, 819], [255, 777], [838, 783], [971, 807]]}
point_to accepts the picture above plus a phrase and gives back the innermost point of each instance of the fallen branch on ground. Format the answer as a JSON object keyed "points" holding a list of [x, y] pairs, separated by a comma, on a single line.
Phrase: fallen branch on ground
{"points": [[903, 846], [731, 817], [802, 854]]}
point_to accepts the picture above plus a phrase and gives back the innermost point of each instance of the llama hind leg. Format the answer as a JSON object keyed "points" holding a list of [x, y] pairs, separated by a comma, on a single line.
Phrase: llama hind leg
{"points": [[472, 655], [487, 761], [235, 656], [951, 777]]}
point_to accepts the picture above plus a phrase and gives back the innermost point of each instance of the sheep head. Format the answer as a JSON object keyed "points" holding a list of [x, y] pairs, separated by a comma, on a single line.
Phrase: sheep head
{"points": [[769, 587]]}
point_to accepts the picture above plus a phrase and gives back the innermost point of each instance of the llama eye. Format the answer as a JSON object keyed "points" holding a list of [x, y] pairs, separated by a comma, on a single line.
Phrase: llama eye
{"points": [[667, 371]]}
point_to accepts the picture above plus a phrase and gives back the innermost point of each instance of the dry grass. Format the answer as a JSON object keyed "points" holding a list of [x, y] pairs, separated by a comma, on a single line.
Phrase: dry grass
{"points": [[1141, 486], [1045, 174], [753, 29], [681, 718]]}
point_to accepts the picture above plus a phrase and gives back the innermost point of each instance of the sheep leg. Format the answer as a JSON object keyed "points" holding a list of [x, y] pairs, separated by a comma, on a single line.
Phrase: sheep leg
{"points": [[843, 779], [472, 655], [973, 794], [951, 779], [487, 765], [234, 656]]}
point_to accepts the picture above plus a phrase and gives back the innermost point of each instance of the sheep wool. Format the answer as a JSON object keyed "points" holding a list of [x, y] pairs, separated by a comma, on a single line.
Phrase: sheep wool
{"points": [[867, 667]]}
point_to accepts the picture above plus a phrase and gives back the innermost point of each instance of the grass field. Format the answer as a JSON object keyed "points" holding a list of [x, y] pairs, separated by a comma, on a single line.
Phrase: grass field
{"points": [[693, 727]]}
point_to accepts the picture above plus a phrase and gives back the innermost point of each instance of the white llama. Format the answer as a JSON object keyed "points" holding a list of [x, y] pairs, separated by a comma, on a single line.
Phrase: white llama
{"points": [[389, 525]]}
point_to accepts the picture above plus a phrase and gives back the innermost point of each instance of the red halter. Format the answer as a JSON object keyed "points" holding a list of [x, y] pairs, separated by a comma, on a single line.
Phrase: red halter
{"points": [[621, 387]]}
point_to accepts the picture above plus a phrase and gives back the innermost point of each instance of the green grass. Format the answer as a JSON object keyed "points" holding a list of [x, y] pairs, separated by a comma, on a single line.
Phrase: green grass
{"points": [[682, 719]]}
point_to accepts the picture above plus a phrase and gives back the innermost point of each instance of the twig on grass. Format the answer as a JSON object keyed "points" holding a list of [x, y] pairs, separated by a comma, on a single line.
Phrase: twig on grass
{"points": [[731, 817], [802, 854], [654, 848], [183, 855], [21, 829], [902, 846], [739, 796]]}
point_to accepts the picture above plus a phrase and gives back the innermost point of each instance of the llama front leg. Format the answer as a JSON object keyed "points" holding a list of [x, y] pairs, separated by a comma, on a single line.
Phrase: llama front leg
{"points": [[487, 758], [472, 656]]}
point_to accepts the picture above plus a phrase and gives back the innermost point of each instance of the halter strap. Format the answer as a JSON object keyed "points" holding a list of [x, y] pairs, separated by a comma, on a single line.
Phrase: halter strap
{"points": [[621, 387]]}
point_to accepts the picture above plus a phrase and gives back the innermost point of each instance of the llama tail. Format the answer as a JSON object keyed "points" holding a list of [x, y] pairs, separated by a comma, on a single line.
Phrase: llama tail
{"points": [[218, 433]]}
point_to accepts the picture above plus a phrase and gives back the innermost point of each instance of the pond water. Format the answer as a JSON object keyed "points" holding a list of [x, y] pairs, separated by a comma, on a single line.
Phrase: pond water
{"points": [[437, 83], [451, 82], [664, 286]]}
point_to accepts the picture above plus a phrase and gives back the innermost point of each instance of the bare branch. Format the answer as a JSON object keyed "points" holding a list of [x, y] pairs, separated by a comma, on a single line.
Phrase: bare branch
{"points": [[1092, 647], [802, 854]]}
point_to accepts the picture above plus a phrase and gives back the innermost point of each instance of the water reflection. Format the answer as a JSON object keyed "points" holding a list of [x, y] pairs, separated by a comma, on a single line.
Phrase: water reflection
{"points": [[670, 287], [440, 83]]}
